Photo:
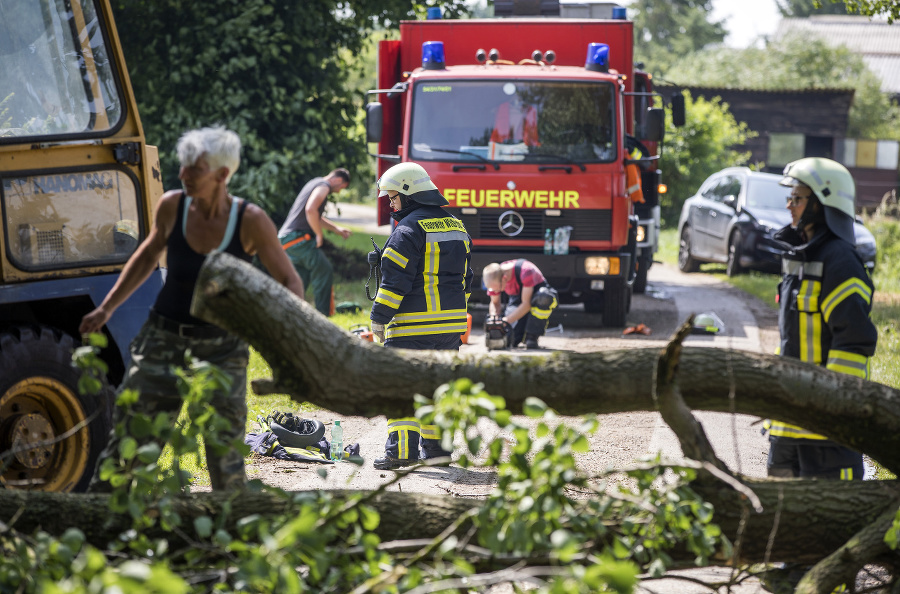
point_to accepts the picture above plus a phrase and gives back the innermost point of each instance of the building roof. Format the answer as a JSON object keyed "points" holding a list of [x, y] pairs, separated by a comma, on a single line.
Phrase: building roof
{"points": [[876, 41]]}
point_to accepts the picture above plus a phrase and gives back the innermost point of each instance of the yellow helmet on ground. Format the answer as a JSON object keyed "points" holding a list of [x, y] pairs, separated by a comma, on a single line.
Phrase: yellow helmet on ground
{"points": [[412, 181], [833, 186]]}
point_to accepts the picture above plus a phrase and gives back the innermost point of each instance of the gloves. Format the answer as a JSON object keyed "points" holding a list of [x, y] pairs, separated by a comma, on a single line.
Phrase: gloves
{"points": [[378, 330]]}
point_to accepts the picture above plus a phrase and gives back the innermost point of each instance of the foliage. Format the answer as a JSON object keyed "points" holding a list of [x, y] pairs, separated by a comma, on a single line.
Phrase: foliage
{"points": [[888, 8], [274, 72], [798, 64], [326, 544], [665, 29], [696, 150], [806, 8]]}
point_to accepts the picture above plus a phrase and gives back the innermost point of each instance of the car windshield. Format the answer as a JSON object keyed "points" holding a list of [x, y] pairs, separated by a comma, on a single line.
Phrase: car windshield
{"points": [[765, 192], [502, 120]]}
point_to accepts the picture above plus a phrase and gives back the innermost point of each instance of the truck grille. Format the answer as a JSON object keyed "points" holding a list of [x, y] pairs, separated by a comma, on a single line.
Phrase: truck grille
{"points": [[587, 225]]}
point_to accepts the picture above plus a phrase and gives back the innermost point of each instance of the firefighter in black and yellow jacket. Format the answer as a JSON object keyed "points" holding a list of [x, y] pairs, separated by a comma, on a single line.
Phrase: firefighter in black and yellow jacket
{"points": [[421, 303], [825, 297]]}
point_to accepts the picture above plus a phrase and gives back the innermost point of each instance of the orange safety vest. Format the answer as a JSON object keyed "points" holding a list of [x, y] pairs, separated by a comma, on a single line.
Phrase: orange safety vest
{"points": [[633, 183]]}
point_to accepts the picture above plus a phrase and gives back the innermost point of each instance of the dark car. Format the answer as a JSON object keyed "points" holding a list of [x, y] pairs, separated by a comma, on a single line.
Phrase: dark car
{"points": [[732, 218]]}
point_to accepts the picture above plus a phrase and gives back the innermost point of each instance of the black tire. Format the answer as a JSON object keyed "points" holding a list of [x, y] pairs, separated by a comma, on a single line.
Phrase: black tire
{"points": [[733, 265], [640, 279], [686, 262], [616, 303], [39, 401]]}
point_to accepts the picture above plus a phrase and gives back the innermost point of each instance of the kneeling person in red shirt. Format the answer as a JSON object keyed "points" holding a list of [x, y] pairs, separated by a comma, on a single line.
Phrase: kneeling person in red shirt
{"points": [[531, 298]]}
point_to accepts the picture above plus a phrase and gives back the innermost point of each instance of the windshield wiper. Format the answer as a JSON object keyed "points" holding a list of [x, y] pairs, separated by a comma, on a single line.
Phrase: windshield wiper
{"points": [[561, 157], [476, 155]]}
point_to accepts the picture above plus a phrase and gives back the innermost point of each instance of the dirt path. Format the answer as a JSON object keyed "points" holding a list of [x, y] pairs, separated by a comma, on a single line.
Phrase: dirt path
{"points": [[623, 437]]}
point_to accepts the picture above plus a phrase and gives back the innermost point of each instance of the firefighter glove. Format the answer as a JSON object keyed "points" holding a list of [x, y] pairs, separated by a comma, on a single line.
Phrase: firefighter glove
{"points": [[378, 330]]}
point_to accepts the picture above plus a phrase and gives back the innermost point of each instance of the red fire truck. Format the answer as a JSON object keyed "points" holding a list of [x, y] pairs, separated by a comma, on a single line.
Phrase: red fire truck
{"points": [[523, 125]]}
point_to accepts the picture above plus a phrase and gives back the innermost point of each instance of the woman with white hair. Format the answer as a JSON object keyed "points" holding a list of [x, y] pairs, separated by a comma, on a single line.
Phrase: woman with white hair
{"points": [[188, 225]]}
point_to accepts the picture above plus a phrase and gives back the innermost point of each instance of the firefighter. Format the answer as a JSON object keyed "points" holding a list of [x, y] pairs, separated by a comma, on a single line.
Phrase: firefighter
{"points": [[421, 303], [825, 298], [531, 299]]}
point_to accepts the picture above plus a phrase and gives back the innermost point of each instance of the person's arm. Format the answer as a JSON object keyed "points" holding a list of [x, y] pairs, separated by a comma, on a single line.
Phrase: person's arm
{"points": [[259, 237], [495, 307], [313, 216], [139, 266], [329, 225], [523, 308]]}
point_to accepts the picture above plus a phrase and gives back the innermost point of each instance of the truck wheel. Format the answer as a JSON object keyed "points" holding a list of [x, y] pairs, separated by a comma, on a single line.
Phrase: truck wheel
{"points": [[640, 279], [616, 303], [686, 262], [39, 403], [733, 266]]}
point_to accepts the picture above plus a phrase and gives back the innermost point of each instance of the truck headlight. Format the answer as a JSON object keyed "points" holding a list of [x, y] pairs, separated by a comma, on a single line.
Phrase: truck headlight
{"points": [[641, 233], [601, 266]]}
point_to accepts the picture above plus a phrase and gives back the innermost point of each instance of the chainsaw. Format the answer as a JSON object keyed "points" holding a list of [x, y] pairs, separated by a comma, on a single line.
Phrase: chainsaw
{"points": [[496, 333]]}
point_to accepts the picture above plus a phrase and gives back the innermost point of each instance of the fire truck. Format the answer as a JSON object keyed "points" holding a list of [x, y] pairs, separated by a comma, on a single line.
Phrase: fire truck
{"points": [[528, 127], [78, 186]]}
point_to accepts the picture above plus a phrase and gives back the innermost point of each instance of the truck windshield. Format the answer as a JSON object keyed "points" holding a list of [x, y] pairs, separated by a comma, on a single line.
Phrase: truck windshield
{"points": [[56, 78], [501, 120]]}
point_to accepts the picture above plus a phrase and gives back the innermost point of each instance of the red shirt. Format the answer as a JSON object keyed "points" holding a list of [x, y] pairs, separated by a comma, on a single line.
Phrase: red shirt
{"points": [[530, 274]]}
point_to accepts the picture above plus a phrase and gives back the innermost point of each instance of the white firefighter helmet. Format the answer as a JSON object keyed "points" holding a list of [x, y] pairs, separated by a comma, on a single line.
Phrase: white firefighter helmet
{"points": [[707, 323], [833, 186], [412, 181]]}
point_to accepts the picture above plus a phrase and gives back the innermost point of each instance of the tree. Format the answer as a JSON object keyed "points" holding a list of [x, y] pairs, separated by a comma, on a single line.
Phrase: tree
{"points": [[799, 64], [704, 145], [598, 541], [806, 8], [665, 30], [274, 72]]}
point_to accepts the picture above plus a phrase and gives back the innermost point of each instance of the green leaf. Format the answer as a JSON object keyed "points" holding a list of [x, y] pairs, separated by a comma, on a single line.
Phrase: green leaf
{"points": [[203, 525], [534, 407]]}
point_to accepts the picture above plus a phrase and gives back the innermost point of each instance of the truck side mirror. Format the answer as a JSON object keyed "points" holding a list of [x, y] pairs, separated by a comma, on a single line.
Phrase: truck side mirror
{"points": [[678, 110], [374, 122], [654, 128]]}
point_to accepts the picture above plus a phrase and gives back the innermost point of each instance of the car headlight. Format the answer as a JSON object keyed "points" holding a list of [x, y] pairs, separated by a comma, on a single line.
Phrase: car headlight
{"points": [[601, 266]]}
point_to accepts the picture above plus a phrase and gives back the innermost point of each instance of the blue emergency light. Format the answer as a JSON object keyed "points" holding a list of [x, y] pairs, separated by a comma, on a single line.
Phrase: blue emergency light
{"points": [[618, 13], [597, 57], [434, 13], [433, 55]]}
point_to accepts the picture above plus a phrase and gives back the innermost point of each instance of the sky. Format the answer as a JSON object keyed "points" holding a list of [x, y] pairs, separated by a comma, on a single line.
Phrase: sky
{"points": [[746, 20]]}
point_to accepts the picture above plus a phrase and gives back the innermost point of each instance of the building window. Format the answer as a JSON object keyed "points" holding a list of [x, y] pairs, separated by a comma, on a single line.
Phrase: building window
{"points": [[784, 148]]}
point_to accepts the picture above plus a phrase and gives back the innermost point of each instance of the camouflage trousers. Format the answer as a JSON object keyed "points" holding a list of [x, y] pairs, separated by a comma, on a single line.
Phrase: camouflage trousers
{"points": [[155, 353]]}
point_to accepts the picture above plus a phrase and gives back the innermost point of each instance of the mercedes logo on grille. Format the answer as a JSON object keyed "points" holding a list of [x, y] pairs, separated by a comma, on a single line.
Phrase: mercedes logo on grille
{"points": [[511, 223]]}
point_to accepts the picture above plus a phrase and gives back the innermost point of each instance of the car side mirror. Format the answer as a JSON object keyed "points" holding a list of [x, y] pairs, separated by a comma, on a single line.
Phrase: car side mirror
{"points": [[374, 122], [730, 201], [654, 128]]}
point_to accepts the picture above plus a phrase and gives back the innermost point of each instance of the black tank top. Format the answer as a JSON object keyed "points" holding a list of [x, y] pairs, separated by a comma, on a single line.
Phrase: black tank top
{"points": [[174, 300]]}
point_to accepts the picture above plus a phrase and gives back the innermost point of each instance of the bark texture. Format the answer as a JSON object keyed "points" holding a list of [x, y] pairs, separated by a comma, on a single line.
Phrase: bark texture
{"points": [[313, 361]]}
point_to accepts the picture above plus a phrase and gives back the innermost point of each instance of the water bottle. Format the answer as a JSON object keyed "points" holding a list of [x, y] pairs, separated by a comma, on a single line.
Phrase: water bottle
{"points": [[548, 242], [337, 441]]}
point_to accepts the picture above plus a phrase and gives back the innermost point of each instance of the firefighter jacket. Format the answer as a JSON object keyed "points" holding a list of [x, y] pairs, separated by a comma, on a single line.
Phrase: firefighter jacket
{"points": [[825, 297], [426, 278]]}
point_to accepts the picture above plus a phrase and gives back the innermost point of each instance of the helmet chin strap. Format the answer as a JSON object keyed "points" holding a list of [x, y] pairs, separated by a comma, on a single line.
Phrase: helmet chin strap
{"points": [[812, 215]]}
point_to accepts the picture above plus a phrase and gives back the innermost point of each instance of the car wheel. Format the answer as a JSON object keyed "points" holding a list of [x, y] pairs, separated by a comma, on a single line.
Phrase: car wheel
{"points": [[733, 266], [686, 262]]}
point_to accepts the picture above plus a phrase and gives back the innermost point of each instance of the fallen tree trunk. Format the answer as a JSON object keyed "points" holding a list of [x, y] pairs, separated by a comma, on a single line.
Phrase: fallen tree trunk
{"points": [[313, 361]]}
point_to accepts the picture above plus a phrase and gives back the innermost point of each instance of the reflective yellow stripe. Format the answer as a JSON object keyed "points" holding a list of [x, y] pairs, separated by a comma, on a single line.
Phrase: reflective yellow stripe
{"points": [[430, 276], [844, 290], [455, 328], [395, 257], [403, 427], [450, 314], [849, 363], [541, 314], [810, 322], [780, 429], [846, 474], [388, 298], [442, 225], [430, 432]]}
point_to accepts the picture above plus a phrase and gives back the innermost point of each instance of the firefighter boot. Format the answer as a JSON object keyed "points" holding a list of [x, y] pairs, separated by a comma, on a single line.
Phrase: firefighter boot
{"points": [[402, 447], [531, 342]]}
